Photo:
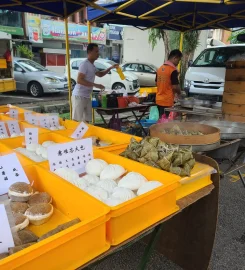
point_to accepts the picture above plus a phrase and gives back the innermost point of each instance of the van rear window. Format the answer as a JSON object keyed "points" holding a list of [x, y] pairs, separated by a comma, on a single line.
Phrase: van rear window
{"points": [[217, 57]]}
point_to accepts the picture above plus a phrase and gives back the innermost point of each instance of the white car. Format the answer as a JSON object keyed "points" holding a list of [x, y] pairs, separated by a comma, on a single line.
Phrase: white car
{"points": [[111, 80]]}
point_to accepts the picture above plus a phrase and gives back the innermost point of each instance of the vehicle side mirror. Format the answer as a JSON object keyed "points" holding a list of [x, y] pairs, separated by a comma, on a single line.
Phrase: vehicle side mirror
{"points": [[190, 63]]}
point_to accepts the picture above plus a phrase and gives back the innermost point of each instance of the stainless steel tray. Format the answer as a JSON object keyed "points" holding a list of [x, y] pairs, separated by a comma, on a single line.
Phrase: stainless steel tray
{"points": [[190, 103]]}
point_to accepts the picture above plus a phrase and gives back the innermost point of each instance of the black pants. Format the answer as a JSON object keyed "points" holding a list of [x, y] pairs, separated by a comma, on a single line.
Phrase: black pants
{"points": [[162, 111]]}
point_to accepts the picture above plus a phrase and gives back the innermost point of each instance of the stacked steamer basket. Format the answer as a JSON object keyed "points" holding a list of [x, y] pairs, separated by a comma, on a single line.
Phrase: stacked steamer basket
{"points": [[233, 106]]}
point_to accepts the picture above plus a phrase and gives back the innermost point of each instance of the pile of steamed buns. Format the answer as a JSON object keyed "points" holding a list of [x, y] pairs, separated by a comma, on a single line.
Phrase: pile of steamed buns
{"points": [[109, 183]]}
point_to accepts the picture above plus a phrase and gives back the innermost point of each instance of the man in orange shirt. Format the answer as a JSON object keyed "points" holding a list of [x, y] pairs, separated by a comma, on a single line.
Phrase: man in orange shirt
{"points": [[168, 82]]}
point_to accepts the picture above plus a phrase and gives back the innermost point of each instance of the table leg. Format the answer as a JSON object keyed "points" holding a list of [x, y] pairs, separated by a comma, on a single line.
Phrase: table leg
{"points": [[138, 120], [241, 177], [103, 119], [150, 247]]}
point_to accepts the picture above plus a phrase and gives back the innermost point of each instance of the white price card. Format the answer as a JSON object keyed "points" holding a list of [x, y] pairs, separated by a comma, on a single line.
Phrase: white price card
{"points": [[73, 155], [11, 172], [54, 120], [6, 238], [44, 121], [27, 115], [3, 130], [80, 131], [31, 136], [13, 113], [32, 119], [13, 127]]}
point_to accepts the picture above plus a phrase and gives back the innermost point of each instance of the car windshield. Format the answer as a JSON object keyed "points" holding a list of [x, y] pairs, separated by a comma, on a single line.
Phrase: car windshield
{"points": [[31, 66], [217, 57]]}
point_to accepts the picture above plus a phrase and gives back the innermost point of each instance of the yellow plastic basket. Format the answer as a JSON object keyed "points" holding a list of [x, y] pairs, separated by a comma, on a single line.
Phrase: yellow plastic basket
{"points": [[141, 212], [72, 247], [113, 137], [200, 175], [8, 145]]}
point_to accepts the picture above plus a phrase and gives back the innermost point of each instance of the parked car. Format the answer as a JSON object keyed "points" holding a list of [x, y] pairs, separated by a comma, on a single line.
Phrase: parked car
{"points": [[206, 75], [111, 80], [36, 79], [144, 71]]}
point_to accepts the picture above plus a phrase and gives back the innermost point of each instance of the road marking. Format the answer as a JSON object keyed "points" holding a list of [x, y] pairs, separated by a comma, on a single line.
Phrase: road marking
{"points": [[9, 96]]}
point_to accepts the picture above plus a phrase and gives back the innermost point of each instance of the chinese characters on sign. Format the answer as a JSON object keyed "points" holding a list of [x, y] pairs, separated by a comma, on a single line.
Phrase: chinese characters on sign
{"points": [[13, 127], [44, 121], [10, 172], [31, 136], [3, 130], [13, 113], [73, 155], [54, 120], [6, 238], [80, 131]]}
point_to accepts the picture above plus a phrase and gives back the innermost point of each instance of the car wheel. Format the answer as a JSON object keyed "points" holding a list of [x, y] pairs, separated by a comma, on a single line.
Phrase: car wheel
{"points": [[35, 89], [73, 84], [118, 86]]}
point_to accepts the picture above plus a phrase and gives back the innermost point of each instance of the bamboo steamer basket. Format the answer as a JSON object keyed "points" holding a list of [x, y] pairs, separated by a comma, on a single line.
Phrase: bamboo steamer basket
{"points": [[233, 106], [211, 134]]}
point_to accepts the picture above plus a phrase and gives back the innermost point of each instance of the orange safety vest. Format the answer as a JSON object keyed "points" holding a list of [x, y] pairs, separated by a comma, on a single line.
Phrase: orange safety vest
{"points": [[165, 94]]}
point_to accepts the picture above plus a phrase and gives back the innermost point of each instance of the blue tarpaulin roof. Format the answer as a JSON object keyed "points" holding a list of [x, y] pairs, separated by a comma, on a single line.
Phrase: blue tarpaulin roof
{"points": [[46, 7], [173, 15]]}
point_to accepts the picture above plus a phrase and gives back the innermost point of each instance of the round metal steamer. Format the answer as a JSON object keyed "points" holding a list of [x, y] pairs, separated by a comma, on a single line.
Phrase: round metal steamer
{"points": [[209, 141]]}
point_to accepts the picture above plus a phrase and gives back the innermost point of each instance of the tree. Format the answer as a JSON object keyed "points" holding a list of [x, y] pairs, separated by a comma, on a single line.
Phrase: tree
{"points": [[233, 36], [171, 41]]}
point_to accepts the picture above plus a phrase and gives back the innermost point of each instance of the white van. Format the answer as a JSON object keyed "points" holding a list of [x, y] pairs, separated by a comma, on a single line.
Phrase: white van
{"points": [[206, 75]]}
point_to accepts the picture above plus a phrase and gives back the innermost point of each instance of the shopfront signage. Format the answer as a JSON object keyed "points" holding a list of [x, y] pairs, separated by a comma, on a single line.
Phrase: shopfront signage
{"points": [[18, 31], [34, 28], [56, 30], [115, 32]]}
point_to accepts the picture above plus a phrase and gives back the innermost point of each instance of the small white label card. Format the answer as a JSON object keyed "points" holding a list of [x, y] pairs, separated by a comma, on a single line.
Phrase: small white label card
{"points": [[73, 155], [31, 135], [27, 115], [79, 131], [54, 120], [11, 172], [3, 130], [44, 121], [6, 238], [13, 113], [32, 119], [13, 127]]}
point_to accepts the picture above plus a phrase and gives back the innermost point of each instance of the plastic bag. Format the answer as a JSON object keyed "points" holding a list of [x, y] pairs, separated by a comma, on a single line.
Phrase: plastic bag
{"points": [[172, 116], [163, 119], [115, 123], [154, 113]]}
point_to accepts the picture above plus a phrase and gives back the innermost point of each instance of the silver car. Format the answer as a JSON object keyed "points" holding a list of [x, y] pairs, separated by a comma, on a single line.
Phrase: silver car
{"points": [[36, 79], [146, 72]]}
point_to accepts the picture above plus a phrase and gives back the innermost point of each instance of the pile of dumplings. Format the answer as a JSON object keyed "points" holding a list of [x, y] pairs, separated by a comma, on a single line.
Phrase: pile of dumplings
{"points": [[109, 183], [36, 152]]}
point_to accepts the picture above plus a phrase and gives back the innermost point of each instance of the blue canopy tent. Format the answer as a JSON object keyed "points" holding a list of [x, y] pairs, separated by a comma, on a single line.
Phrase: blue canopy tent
{"points": [[179, 15], [59, 8]]}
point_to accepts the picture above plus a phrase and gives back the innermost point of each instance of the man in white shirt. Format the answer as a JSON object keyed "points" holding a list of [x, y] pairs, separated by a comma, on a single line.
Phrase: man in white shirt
{"points": [[81, 96]]}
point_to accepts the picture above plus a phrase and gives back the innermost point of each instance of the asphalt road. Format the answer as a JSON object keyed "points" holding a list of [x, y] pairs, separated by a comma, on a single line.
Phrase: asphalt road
{"points": [[24, 98]]}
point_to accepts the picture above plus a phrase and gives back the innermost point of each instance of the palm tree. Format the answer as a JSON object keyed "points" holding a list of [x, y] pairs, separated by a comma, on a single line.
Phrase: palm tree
{"points": [[171, 40]]}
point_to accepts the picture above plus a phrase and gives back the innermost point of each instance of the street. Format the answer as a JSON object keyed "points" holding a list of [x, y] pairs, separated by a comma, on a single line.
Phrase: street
{"points": [[24, 98]]}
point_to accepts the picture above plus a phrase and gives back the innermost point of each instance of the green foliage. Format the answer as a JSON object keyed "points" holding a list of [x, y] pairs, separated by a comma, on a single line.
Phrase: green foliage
{"points": [[154, 36], [233, 36], [25, 52]]}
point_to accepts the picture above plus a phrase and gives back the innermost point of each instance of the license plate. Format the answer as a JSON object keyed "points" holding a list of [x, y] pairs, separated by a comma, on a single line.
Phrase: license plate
{"points": [[65, 85]]}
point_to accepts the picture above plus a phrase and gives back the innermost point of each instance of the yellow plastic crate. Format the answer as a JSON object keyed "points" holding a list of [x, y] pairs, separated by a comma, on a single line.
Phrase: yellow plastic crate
{"points": [[200, 175], [7, 85], [3, 63], [8, 145], [111, 136], [148, 90], [141, 212], [72, 247]]}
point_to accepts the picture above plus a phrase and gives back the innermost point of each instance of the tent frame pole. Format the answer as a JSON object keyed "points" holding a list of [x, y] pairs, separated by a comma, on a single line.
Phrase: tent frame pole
{"points": [[89, 31], [68, 57], [181, 47]]}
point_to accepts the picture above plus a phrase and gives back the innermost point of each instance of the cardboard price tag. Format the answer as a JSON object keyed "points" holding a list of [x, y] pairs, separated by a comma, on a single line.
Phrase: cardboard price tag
{"points": [[11, 172], [13, 113], [31, 136], [54, 120], [44, 121], [6, 238], [3, 130], [80, 131], [13, 127], [27, 115], [73, 155]]}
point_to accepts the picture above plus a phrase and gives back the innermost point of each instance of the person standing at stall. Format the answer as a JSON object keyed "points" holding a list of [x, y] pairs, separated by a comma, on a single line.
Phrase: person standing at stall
{"points": [[167, 82], [81, 96]]}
